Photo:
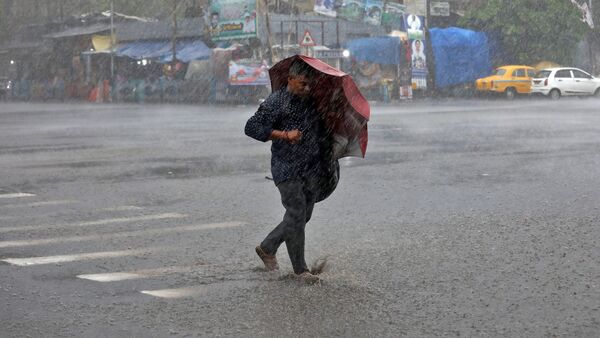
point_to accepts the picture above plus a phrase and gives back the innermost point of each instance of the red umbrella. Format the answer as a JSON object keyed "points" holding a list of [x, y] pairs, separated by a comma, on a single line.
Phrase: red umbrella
{"points": [[346, 111]]}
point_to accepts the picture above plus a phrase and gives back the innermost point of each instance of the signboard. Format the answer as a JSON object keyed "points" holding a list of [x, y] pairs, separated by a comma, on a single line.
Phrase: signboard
{"points": [[418, 64], [325, 7], [307, 40], [328, 54], [248, 73], [353, 10], [393, 14], [373, 12], [440, 9], [418, 7], [414, 26], [232, 19]]}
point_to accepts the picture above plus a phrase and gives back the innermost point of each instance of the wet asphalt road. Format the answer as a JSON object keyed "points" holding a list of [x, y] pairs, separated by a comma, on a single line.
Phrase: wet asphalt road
{"points": [[467, 218]]}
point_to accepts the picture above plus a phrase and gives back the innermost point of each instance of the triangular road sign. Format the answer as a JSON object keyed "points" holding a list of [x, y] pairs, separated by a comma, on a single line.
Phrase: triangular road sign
{"points": [[307, 40]]}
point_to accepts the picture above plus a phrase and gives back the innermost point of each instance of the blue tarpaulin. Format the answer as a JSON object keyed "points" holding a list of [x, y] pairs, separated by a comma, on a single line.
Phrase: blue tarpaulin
{"points": [[384, 49], [163, 50], [461, 56]]}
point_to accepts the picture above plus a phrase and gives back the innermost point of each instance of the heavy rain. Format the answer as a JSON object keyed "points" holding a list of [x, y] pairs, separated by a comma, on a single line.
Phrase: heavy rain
{"points": [[287, 168]]}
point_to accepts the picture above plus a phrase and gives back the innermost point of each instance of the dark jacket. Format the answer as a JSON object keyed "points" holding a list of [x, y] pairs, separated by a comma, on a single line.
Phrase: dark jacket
{"points": [[312, 156]]}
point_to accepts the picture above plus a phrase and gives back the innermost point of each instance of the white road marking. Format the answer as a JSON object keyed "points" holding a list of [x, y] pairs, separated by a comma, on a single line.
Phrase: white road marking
{"points": [[123, 208], [196, 290], [99, 222], [124, 234], [73, 258], [16, 195], [37, 204], [139, 274], [176, 293]]}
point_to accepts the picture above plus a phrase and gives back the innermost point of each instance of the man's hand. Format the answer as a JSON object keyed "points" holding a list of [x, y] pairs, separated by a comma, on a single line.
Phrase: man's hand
{"points": [[293, 136]]}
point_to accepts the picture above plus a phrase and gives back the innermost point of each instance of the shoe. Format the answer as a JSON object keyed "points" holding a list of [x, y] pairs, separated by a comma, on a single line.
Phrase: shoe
{"points": [[269, 260], [308, 277]]}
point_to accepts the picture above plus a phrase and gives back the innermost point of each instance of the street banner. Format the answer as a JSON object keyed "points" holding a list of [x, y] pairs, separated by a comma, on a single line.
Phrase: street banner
{"points": [[353, 10], [414, 26], [232, 19], [418, 64], [419, 7], [373, 12], [325, 7], [393, 15], [440, 8], [248, 73]]}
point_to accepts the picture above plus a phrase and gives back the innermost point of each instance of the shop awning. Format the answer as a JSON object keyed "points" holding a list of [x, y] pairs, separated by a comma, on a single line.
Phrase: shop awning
{"points": [[163, 50], [77, 31], [143, 49], [102, 43], [188, 51]]}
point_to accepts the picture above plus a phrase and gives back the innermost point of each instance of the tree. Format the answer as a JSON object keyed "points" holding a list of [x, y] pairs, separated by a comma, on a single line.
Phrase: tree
{"points": [[529, 31], [3, 21]]}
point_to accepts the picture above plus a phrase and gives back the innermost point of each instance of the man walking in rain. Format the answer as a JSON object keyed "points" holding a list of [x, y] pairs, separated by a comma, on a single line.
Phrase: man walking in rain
{"points": [[289, 118]]}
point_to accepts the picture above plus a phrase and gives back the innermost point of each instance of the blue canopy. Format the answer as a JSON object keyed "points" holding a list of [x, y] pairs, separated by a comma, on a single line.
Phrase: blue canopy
{"points": [[163, 50], [142, 49], [461, 56], [384, 49]]}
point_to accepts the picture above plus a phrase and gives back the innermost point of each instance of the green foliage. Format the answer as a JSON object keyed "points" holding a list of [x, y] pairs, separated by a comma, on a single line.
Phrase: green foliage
{"points": [[530, 30], [2, 25]]}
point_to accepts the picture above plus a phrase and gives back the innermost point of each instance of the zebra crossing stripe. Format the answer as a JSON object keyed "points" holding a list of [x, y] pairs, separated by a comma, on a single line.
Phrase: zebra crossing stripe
{"points": [[30, 261], [139, 274], [124, 234], [176, 293], [123, 208], [99, 222], [16, 195], [198, 290], [37, 204]]}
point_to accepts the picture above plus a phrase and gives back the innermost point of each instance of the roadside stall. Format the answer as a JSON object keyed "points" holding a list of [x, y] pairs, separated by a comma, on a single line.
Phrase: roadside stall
{"points": [[377, 66], [146, 69], [240, 70], [461, 57]]}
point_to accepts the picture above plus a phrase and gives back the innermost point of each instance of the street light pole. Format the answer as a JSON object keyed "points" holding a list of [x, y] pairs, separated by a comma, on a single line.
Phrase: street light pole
{"points": [[174, 46], [428, 51], [112, 40], [591, 40]]}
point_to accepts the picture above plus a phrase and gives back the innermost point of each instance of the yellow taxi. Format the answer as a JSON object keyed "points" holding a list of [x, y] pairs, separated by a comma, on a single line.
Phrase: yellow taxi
{"points": [[508, 81]]}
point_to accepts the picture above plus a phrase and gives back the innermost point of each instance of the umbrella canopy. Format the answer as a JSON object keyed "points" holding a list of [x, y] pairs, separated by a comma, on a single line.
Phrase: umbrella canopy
{"points": [[344, 108]]}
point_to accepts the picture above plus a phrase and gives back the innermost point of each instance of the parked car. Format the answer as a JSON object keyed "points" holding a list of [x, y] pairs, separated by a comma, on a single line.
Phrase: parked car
{"points": [[562, 81], [508, 81]]}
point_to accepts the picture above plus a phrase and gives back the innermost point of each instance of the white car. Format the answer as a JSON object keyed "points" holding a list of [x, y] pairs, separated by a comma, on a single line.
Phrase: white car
{"points": [[557, 82]]}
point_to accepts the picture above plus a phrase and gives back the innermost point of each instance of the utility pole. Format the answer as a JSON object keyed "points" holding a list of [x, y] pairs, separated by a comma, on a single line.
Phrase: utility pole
{"points": [[112, 41], [591, 41], [174, 60], [268, 26], [429, 53]]}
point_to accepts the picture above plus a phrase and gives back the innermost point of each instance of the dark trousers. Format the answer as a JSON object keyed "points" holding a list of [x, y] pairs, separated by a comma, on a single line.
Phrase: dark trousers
{"points": [[298, 197]]}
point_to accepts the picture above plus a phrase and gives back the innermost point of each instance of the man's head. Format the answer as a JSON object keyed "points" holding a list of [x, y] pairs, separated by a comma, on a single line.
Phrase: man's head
{"points": [[300, 77]]}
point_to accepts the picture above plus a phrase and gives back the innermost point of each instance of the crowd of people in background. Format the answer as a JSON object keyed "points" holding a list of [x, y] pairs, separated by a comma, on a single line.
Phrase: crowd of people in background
{"points": [[123, 89]]}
